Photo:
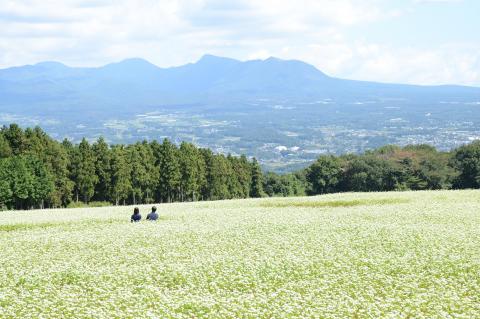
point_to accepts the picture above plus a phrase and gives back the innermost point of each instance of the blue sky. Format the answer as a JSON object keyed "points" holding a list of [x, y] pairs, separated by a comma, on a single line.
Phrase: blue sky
{"points": [[408, 41]]}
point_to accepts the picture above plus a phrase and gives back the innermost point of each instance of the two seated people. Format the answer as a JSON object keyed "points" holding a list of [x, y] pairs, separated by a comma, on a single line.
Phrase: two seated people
{"points": [[136, 217]]}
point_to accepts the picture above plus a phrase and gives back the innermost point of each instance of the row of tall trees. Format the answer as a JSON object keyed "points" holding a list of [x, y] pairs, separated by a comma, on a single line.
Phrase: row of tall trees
{"points": [[389, 168], [37, 171]]}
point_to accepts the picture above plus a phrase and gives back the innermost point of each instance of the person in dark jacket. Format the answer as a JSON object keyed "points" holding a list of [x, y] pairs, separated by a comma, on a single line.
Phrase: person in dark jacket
{"points": [[153, 216], [136, 217]]}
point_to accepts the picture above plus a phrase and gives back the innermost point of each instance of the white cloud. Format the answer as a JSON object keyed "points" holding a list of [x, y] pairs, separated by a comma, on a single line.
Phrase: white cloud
{"points": [[449, 64]]}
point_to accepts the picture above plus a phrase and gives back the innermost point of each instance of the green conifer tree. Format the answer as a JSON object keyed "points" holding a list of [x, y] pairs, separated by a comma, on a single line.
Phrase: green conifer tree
{"points": [[169, 184], [6, 193], [22, 182], [15, 137], [5, 150], [256, 188], [86, 178], [121, 186], [42, 182], [192, 171], [103, 170]]}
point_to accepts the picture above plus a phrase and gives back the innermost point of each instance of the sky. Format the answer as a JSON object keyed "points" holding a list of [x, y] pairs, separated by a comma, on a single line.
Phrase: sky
{"points": [[402, 41]]}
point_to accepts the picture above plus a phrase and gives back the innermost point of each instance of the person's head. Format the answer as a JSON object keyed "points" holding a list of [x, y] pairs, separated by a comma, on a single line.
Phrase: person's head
{"points": [[136, 211], [154, 209]]}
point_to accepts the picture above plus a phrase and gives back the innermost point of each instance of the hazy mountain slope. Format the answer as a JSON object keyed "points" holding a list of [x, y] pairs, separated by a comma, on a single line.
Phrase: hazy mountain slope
{"points": [[142, 83]]}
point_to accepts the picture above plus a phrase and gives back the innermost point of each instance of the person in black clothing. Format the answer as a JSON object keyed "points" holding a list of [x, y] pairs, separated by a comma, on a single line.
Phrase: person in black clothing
{"points": [[136, 217], [153, 216]]}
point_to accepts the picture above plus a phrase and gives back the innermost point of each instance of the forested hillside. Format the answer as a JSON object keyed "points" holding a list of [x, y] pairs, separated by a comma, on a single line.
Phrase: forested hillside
{"points": [[37, 171]]}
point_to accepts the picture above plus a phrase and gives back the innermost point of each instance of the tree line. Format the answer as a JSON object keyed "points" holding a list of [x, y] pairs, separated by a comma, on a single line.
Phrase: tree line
{"points": [[37, 171], [394, 168]]}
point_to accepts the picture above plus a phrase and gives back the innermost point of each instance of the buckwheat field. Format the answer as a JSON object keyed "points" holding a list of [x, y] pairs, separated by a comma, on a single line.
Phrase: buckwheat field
{"points": [[377, 255]]}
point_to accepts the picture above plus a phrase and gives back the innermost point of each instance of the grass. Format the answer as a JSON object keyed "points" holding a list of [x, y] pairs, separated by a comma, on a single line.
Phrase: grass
{"points": [[379, 255], [336, 203], [91, 204], [45, 225]]}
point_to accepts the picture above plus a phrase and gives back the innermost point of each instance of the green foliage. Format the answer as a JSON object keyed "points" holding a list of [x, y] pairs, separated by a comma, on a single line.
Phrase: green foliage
{"points": [[15, 137], [256, 189], [6, 191], [169, 166], [5, 150], [37, 171], [86, 175], [369, 173], [467, 161], [218, 177], [192, 171], [149, 183], [25, 183], [413, 167], [102, 169], [42, 184], [243, 174], [324, 175], [286, 185], [121, 184], [139, 177]]}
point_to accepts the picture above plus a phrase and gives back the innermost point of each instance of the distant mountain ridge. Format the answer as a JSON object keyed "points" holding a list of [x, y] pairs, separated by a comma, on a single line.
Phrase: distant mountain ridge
{"points": [[143, 83]]}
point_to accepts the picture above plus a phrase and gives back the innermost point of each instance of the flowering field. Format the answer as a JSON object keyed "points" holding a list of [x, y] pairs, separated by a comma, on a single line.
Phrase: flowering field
{"points": [[383, 255]]}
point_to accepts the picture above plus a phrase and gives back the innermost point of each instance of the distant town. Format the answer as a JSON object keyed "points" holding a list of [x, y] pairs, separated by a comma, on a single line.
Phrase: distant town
{"points": [[283, 135]]}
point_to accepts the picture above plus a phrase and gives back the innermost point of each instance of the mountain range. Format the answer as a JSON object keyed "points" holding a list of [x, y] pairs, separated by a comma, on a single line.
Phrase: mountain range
{"points": [[284, 112], [142, 83]]}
